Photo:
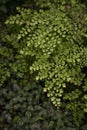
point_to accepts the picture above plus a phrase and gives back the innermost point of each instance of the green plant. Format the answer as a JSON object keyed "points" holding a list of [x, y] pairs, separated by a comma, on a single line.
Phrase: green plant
{"points": [[48, 45], [27, 108]]}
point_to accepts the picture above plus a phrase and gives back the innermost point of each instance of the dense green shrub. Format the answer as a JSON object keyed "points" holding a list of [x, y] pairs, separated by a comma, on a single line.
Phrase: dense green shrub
{"points": [[49, 45], [27, 108]]}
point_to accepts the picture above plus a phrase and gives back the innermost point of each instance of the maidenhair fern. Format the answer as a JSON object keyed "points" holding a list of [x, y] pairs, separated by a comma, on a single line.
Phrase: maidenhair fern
{"points": [[49, 45]]}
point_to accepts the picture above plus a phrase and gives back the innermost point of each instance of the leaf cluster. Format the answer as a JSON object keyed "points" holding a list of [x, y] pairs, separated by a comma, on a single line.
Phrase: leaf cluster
{"points": [[49, 45]]}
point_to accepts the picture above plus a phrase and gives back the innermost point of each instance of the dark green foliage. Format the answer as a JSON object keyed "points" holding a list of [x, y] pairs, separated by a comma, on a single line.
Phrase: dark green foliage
{"points": [[27, 108], [8, 7], [3, 6]]}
